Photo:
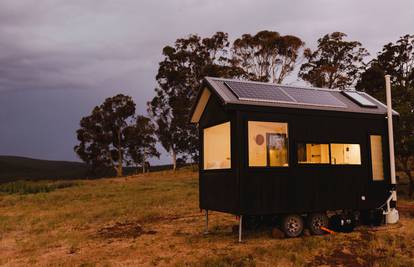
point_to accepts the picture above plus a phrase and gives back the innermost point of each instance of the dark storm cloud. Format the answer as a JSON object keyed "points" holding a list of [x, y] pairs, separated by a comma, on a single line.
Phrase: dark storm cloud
{"points": [[60, 58]]}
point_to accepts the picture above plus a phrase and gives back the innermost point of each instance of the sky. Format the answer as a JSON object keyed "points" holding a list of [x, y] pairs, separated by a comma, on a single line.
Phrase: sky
{"points": [[59, 58]]}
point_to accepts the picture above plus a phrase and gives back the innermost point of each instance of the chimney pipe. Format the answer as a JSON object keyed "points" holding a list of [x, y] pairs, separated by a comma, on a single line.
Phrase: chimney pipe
{"points": [[391, 213], [390, 130]]}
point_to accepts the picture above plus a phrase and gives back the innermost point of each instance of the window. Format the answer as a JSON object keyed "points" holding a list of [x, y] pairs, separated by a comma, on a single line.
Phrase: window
{"points": [[268, 144], [345, 154], [313, 153], [216, 147], [376, 158]]}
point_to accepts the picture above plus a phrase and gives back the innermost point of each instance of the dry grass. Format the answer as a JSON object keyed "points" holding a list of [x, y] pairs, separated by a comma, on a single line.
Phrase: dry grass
{"points": [[155, 220]]}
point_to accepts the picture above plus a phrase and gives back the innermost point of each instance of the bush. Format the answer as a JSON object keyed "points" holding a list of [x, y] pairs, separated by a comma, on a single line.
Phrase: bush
{"points": [[29, 187]]}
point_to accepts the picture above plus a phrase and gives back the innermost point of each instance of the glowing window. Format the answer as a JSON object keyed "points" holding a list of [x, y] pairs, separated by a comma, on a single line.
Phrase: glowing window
{"points": [[345, 154], [216, 147], [313, 153], [268, 144], [376, 158]]}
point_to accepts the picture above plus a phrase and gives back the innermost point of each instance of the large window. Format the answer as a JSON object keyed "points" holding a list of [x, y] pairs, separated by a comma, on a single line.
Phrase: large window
{"points": [[216, 147], [377, 158], [268, 144], [345, 154], [313, 153]]}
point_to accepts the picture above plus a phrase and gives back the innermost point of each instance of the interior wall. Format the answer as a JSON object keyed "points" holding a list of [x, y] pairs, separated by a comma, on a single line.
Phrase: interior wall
{"points": [[346, 153], [258, 142], [377, 158], [217, 147], [317, 153]]}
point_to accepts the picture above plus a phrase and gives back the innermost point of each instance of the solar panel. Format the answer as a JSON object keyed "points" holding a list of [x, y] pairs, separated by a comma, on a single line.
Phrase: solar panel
{"points": [[359, 99], [314, 97], [282, 94], [263, 92]]}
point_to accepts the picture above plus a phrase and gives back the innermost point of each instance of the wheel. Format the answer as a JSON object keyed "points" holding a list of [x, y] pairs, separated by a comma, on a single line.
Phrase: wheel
{"points": [[292, 225], [316, 221]]}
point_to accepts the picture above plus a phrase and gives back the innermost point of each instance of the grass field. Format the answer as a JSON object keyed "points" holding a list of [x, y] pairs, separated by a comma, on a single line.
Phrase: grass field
{"points": [[154, 219]]}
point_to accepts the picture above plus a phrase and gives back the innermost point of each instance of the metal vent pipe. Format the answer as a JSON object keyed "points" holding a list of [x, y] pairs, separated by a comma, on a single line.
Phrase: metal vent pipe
{"points": [[392, 215]]}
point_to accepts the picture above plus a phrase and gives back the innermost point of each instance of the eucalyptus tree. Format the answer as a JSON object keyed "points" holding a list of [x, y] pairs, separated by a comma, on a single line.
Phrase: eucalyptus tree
{"points": [[102, 133], [180, 77], [267, 55], [397, 60], [336, 62]]}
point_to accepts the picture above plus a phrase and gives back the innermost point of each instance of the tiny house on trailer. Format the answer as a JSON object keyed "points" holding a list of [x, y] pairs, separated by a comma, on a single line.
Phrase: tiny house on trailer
{"points": [[296, 152]]}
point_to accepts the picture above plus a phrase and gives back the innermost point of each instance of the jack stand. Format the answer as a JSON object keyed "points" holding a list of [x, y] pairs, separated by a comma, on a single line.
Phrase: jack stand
{"points": [[206, 230], [240, 228]]}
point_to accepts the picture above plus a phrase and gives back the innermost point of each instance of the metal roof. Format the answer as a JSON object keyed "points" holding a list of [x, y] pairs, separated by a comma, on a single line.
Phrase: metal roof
{"points": [[286, 96]]}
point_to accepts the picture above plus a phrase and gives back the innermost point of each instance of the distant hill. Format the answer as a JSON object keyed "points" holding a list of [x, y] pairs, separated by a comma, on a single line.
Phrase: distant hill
{"points": [[14, 168]]}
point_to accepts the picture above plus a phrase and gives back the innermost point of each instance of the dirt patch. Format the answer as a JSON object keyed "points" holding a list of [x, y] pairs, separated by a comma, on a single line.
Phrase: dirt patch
{"points": [[339, 257], [157, 218], [347, 256], [124, 230]]}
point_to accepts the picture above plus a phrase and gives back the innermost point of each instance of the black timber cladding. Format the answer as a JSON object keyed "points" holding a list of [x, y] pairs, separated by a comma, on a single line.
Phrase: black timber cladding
{"points": [[296, 188]]}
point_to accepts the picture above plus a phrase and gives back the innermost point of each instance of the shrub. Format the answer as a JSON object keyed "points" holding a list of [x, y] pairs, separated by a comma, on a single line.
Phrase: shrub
{"points": [[29, 187]]}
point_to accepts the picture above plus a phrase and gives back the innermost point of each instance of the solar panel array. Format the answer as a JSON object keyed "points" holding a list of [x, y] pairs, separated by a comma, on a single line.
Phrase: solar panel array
{"points": [[283, 94], [314, 97], [253, 91], [359, 99]]}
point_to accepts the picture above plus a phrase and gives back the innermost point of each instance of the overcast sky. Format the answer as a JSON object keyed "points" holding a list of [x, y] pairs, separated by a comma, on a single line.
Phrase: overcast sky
{"points": [[60, 58]]}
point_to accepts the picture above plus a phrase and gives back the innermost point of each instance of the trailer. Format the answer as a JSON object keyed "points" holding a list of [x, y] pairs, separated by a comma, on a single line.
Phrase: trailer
{"points": [[297, 153]]}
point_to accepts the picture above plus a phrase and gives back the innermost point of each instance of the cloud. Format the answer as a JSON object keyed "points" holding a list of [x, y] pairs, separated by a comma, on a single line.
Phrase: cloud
{"points": [[59, 58]]}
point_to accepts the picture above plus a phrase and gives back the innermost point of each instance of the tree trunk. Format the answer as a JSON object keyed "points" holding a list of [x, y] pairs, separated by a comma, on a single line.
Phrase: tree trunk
{"points": [[174, 159], [143, 164], [119, 167], [136, 168]]}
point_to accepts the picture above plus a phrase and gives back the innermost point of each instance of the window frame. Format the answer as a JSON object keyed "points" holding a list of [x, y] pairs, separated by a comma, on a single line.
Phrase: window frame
{"points": [[313, 164], [267, 167], [202, 158]]}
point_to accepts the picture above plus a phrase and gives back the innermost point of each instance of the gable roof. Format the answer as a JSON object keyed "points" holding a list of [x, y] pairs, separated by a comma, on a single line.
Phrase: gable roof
{"points": [[248, 93]]}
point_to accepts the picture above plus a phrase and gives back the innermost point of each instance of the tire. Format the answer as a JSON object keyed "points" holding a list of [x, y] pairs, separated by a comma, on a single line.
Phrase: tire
{"points": [[315, 221], [292, 225]]}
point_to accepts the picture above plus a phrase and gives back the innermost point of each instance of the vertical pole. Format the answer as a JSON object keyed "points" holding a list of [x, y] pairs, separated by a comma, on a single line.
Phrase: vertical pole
{"points": [[206, 230], [390, 135], [240, 228]]}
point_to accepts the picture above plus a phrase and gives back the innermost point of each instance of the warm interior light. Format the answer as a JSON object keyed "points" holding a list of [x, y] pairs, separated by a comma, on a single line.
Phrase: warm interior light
{"points": [[268, 144], [345, 154], [377, 158], [313, 153], [216, 147]]}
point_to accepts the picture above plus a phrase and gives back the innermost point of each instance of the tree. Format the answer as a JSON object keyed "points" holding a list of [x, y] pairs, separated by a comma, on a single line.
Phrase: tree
{"points": [[141, 141], [267, 56], [336, 63], [102, 134], [397, 60], [179, 78]]}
